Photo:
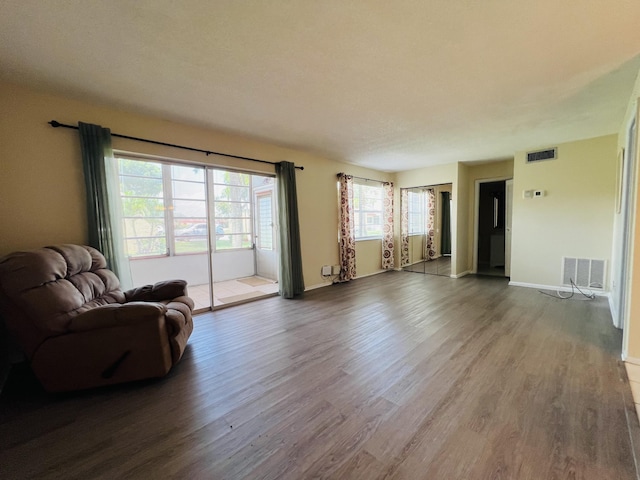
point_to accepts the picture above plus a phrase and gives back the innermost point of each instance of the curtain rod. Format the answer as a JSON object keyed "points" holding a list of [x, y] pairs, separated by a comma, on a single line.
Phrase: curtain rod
{"points": [[365, 179], [56, 124]]}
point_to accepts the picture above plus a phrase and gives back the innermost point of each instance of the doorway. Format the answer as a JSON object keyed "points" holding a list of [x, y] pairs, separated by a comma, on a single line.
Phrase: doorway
{"points": [[492, 239], [244, 254]]}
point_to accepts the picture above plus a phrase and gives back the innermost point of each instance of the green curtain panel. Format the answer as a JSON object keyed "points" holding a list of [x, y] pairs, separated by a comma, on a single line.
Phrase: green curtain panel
{"points": [[95, 142], [291, 280], [445, 239]]}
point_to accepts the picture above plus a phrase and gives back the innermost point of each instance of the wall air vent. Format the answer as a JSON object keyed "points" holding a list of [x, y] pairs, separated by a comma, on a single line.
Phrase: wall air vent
{"points": [[584, 272], [540, 155]]}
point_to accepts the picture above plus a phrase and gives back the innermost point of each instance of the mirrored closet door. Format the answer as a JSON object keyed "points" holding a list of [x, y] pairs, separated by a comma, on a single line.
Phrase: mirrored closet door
{"points": [[426, 229]]}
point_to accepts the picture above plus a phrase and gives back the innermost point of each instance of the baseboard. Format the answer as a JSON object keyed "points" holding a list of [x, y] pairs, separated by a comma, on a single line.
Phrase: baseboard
{"points": [[612, 308], [326, 284], [555, 288], [632, 360], [318, 285], [460, 275], [372, 274]]}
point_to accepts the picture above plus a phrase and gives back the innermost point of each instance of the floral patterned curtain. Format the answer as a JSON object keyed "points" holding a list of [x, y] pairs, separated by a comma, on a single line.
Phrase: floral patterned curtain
{"points": [[347, 234], [429, 243], [404, 226], [387, 226]]}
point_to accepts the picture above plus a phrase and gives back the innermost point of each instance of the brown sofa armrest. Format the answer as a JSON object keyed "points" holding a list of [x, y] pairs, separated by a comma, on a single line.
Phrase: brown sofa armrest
{"points": [[160, 291], [116, 315]]}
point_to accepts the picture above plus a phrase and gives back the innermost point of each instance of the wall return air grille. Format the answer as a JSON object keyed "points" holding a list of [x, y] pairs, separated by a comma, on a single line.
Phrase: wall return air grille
{"points": [[584, 272], [540, 155]]}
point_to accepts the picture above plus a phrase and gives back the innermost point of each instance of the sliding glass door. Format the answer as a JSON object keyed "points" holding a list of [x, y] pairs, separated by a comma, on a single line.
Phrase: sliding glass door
{"points": [[244, 257], [212, 227], [164, 218]]}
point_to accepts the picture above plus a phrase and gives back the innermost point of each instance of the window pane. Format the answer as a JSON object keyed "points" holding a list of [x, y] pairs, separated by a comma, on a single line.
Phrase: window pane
{"points": [[144, 227], [191, 229], [141, 247], [369, 203], [189, 208], [191, 244], [416, 210], [238, 225], [367, 210], [188, 190], [142, 207], [140, 168], [369, 191], [140, 186], [190, 235], [193, 174], [230, 178], [265, 223], [233, 241], [236, 194], [229, 209]]}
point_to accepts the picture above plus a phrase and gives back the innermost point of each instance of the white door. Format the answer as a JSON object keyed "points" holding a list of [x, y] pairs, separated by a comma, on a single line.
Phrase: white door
{"points": [[507, 231], [626, 237], [265, 235]]}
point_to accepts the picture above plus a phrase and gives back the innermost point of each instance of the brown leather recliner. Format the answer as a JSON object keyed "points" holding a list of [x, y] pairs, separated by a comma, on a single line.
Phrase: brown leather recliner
{"points": [[78, 329]]}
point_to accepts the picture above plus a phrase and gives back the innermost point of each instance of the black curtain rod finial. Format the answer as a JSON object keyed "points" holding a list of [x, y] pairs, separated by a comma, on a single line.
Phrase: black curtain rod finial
{"points": [[54, 124]]}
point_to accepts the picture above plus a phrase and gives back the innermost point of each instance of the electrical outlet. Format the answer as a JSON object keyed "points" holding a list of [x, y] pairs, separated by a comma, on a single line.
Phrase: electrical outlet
{"points": [[326, 270], [335, 270]]}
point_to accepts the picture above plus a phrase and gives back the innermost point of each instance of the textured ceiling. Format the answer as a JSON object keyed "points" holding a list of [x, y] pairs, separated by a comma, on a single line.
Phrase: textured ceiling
{"points": [[391, 85]]}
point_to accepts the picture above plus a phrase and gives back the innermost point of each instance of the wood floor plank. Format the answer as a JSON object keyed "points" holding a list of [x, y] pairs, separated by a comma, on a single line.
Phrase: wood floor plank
{"points": [[398, 375]]}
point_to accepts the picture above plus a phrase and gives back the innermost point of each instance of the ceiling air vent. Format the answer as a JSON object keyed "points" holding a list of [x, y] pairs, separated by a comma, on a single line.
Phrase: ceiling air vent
{"points": [[548, 154]]}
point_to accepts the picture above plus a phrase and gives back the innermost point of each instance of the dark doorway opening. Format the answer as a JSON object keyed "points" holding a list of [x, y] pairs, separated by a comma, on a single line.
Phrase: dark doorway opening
{"points": [[491, 228]]}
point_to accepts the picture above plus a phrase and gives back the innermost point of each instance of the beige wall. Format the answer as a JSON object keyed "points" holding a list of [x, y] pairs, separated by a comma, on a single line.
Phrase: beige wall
{"points": [[574, 219], [460, 221], [368, 257], [421, 177], [42, 190]]}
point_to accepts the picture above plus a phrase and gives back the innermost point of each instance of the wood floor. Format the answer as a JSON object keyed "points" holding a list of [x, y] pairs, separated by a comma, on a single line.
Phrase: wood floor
{"points": [[393, 376]]}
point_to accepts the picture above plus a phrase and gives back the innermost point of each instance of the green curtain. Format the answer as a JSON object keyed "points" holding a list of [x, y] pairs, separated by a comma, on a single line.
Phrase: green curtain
{"points": [[95, 142], [291, 281], [445, 239]]}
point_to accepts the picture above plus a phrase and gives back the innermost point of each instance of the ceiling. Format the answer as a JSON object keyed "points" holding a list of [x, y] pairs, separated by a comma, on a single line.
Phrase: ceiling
{"points": [[391, 85]]}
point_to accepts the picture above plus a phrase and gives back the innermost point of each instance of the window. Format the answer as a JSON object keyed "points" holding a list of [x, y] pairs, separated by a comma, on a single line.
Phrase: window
{"points": [[143, 207], [265, 221], [189, 209], [232, 209], [164, 208], [367, 205], [416, 202]]}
